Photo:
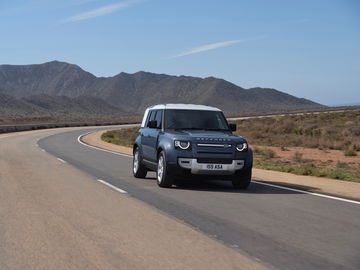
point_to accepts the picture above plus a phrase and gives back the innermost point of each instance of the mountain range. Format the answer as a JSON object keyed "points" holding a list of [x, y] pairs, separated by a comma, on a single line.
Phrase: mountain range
{"points": [[57, 107], [60, 88]]}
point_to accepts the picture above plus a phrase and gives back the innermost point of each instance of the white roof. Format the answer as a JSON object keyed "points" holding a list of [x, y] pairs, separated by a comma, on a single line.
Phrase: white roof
{"points": [[183, 107], [177, 107]]}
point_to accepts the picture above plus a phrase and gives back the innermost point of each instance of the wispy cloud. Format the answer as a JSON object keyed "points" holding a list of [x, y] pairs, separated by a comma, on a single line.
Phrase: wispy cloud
{"points": [[213, 46], [101, 11]]}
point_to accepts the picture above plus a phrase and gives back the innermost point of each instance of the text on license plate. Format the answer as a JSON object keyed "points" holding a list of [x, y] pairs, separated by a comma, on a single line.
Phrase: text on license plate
{"points": [[214, 166]]}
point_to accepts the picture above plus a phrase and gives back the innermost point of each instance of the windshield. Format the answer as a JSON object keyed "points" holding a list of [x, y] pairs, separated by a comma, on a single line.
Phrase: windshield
{"points": [[192, 119]]}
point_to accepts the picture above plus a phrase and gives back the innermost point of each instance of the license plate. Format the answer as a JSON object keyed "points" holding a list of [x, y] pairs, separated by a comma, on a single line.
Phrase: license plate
{"points": [[214, 167]]}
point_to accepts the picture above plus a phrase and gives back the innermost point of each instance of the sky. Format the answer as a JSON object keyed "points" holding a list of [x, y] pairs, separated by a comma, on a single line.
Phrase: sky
{"points": [[307, 48]]}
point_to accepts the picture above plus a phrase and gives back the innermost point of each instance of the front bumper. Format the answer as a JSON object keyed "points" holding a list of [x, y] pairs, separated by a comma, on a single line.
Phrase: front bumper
{"points": [[196, 161], [197, 168]]}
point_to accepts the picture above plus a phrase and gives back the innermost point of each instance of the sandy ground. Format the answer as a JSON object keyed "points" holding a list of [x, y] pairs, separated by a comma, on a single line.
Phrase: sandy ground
{"points": [[309, 183], [53, 216], [313, 154], [95, 140]]}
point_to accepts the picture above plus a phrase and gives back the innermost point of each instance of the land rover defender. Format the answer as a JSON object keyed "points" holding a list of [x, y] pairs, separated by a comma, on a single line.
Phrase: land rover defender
{"points": [[188, 141]]}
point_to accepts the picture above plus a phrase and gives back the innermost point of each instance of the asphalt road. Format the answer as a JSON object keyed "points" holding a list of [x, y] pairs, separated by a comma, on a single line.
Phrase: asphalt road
{"points": [[285, 229], [55, 216]]}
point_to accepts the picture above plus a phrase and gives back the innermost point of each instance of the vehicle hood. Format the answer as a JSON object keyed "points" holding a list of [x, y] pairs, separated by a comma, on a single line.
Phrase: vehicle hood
{"points": [[206, 135]]}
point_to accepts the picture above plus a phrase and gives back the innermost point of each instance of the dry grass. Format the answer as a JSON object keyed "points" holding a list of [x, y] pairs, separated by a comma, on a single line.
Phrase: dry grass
{"points": [[297, 164], [124, 137], [322, 131], [339, 130]]}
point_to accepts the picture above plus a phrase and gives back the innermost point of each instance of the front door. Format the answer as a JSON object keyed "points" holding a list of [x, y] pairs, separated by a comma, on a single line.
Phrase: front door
{"points": [[145, 136], [153, 136], [149, 139]]}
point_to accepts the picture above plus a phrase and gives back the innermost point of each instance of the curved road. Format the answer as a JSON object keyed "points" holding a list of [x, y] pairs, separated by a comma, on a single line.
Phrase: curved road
{"points": [[282, 228]]}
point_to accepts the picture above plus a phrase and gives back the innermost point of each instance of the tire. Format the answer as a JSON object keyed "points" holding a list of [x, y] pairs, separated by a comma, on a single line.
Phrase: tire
{"points": [[139, 170], [242, 180], [162, 176]]}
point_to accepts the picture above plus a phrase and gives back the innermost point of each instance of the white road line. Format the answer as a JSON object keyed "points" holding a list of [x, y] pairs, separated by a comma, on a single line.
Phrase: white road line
{"points": [[37, 144], [255, 182], [98, 148], [111, 186], [61, 160], [307, 192]]}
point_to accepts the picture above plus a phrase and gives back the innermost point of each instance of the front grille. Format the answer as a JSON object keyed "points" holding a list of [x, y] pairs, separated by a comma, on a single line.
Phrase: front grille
{"points": [[215, 160], [214, 145], [215, 153]]}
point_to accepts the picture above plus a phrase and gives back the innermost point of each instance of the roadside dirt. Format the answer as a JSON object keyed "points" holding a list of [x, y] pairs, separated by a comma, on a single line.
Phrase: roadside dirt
{"points": [[95, 140], [331, 157], [323, 155], [334, 187]]}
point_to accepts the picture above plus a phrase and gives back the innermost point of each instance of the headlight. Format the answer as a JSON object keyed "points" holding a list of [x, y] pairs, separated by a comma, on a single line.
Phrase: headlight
{"points": [[241, 147], [184, 145]]}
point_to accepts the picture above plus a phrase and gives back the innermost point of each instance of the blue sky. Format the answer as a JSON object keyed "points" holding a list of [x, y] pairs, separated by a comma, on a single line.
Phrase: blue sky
{"points": [[310, 49]]}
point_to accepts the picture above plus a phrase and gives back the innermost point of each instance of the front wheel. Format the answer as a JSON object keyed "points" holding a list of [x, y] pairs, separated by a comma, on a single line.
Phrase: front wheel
{"points": [[162, 176], [139, 170], [242, 180]]}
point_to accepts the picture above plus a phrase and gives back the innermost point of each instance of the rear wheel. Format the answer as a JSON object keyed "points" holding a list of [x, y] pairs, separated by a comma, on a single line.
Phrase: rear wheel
{"points": [[242, 180], [139, 170], [162, 176]]}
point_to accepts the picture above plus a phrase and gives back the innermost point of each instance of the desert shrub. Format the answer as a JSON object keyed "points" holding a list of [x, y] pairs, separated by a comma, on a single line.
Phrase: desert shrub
{"points": [[109, 135], [350, 152], [342, 165], [125, 137], [325, 130], [257, 151], [297, 142], [288, 127], [298, 157], [346, 144], [307, 170], [269, 153], [342, 174], [265, 153], [313, 143], [356, 147]]}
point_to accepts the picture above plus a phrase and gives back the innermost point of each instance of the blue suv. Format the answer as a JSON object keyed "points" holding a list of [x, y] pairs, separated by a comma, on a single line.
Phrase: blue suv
{"points": [[187, 141]]}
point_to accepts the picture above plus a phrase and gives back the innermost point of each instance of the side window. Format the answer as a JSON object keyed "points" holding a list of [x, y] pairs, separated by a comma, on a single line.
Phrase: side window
{"points": [[158, 118], [151, 116]]}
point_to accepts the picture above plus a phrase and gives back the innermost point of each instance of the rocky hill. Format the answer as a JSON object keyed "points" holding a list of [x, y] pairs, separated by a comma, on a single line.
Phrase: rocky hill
{"points": [[11, 107], [57, 107], [133, 92]]}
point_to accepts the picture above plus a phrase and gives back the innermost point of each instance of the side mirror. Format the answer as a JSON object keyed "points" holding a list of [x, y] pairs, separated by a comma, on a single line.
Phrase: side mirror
{"points": [[232, 127], [152, 124]]}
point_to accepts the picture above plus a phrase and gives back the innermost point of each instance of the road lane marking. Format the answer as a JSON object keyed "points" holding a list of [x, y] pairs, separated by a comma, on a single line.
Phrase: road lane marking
{"points": [[98, 148], [255, 182], [306, 192], [61, 160], [111, 186], [37, 144]]}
